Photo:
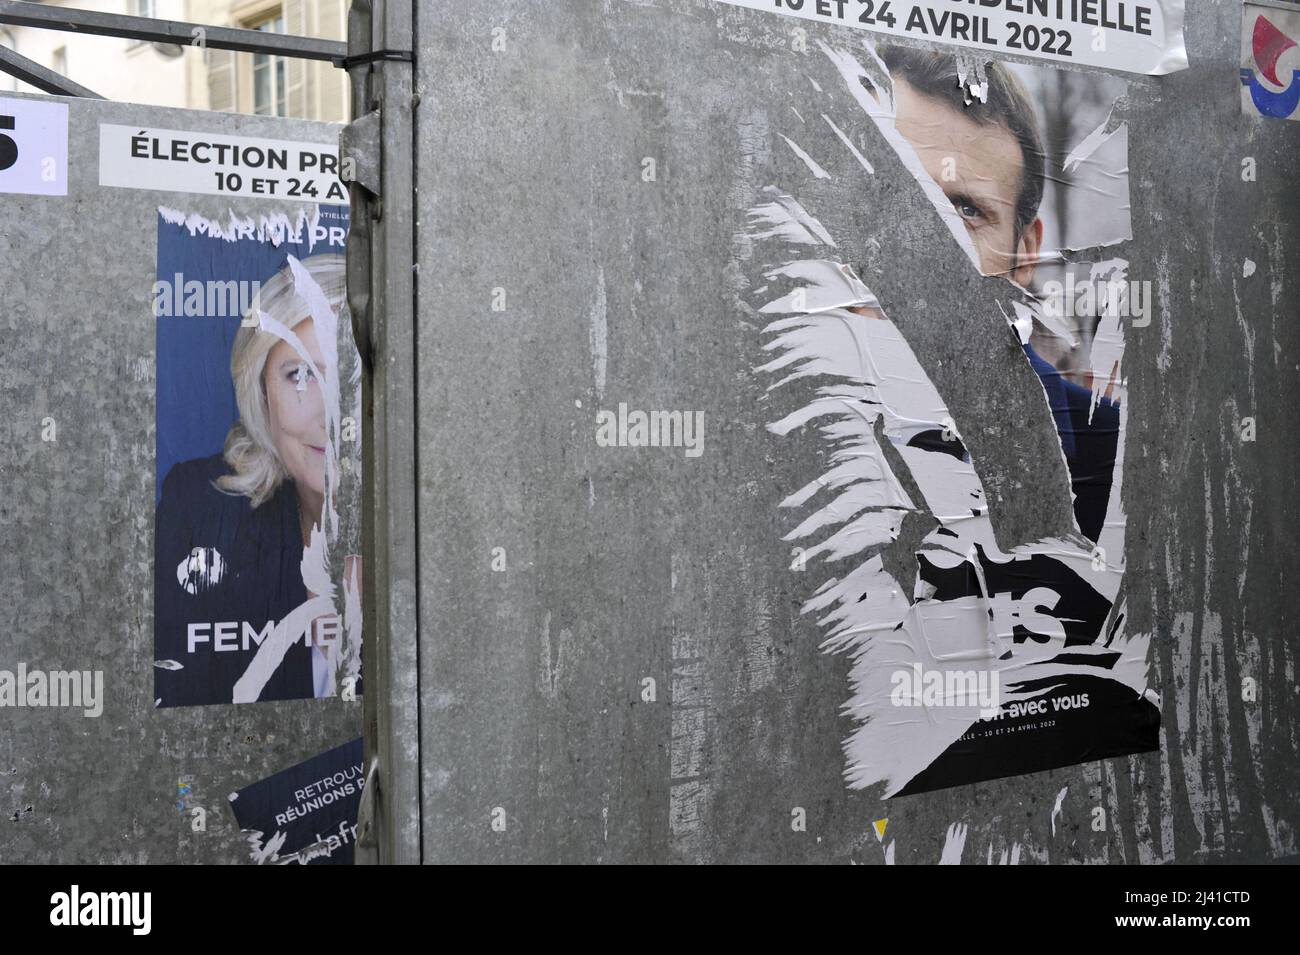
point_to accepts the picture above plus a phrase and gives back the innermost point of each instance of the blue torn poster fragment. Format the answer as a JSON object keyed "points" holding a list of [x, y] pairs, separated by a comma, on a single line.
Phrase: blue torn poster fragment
{"points": [[306, 814]]}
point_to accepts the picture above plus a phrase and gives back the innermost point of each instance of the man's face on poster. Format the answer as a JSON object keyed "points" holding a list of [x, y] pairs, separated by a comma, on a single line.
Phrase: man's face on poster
{"points": [[296, 409], [980, 168]]}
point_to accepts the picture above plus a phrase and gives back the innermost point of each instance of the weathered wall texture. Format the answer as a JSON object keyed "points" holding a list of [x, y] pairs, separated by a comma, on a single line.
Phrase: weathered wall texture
{"points": [[557, 575], [76, 522]]}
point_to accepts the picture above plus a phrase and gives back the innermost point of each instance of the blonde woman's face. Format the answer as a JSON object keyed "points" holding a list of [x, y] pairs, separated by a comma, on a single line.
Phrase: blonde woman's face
{"points": [[295, 407]]}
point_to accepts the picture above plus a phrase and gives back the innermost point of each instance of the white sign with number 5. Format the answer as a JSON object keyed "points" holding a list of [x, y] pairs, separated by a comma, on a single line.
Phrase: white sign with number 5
{"points": [[33, 147]]}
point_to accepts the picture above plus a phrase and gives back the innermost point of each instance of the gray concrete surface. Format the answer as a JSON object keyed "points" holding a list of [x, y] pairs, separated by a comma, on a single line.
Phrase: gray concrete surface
{"points": [[624, 564], [627, 564], [76, 522]]}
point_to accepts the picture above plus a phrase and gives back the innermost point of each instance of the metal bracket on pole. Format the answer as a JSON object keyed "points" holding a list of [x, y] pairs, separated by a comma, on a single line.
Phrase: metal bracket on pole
{"points": [[376, 56], [361, 160], [360, 150]]}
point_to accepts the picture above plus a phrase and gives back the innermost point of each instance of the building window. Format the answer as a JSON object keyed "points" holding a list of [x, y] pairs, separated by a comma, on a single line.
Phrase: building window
{"points": [[59, 61], [269, 74], [144, 8]]}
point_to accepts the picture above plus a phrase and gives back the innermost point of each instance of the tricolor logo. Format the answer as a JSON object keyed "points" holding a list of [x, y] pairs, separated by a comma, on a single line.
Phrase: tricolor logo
{"points": [[1272, 92]]}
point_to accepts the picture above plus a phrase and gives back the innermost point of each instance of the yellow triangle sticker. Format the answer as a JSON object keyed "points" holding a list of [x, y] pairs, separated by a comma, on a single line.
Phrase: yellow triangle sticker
{"points": [[879, 825]]}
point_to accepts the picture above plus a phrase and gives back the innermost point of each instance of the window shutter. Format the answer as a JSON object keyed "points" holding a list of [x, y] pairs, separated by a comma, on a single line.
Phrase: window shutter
{"points": [[221, 80], [295, 99], [331, 22]]}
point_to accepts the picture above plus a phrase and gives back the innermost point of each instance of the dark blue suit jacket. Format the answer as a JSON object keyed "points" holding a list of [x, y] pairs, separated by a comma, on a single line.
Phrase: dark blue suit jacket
{"points": [[261, 550], [1089, 446]]}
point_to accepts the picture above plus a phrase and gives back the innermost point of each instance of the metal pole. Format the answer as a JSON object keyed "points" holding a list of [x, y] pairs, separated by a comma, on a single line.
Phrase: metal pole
{"points": [[45, 80], [381, 294]]}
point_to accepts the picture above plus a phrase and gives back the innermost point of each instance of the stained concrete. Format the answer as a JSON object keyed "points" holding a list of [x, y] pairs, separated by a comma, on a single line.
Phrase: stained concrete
{"points": [[623, 565], [77, 517]]}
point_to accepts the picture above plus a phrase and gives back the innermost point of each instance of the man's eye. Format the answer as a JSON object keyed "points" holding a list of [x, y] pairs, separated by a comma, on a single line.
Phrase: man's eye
{"points": [[967, 210]]}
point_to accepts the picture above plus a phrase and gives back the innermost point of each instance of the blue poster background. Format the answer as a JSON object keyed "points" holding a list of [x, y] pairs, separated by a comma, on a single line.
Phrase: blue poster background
{"points": [[195, 397]]}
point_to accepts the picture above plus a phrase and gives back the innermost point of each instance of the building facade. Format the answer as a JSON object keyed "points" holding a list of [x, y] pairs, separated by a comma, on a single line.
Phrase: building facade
{"points": [[194, 76]]}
